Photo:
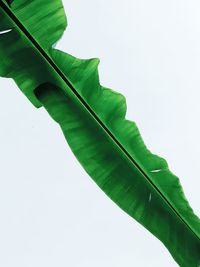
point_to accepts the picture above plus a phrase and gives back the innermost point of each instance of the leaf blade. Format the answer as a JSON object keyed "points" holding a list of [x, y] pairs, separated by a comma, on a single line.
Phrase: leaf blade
{"points": [[84, 98]]}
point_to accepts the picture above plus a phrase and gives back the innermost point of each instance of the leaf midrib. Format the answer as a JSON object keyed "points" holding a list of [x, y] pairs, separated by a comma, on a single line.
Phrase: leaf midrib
{"points": [[54, 66]]}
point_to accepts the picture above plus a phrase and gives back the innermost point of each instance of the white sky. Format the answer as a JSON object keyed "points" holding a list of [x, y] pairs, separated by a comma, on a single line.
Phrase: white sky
{"points": [[52, 214]]}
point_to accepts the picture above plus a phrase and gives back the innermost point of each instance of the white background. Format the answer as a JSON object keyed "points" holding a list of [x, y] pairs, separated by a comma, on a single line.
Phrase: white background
{"points": [[51, 213]]}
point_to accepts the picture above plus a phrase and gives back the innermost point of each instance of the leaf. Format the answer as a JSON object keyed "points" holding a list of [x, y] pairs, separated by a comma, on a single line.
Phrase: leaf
{"points": [[92, 118], [9, 2]]}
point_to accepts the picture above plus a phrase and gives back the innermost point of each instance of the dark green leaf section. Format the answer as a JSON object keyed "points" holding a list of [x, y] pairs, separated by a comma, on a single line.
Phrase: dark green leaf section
{"points": [[9, 2], [93, 121], [46, 21]]}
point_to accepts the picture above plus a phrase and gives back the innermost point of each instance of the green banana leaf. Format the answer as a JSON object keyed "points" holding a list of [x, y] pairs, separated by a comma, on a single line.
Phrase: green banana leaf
{"points": [[92, 118], [9, 2]]}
